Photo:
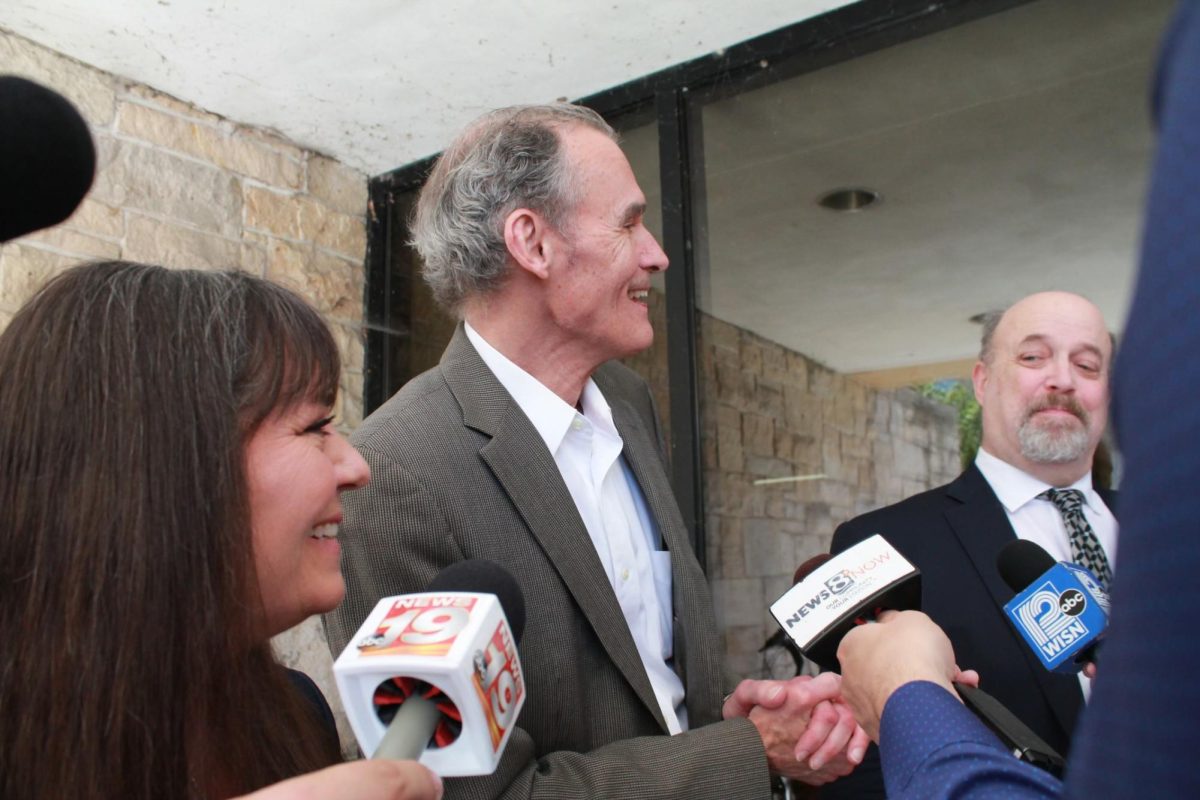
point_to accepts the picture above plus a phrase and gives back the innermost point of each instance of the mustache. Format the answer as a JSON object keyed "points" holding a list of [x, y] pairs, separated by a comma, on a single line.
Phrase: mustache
{"points": [[1062, 402]]}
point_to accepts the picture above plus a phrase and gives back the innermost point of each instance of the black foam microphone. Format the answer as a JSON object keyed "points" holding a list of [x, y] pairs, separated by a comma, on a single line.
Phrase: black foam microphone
{"points": [[47, 159], [486, 577], [1021, 562]]}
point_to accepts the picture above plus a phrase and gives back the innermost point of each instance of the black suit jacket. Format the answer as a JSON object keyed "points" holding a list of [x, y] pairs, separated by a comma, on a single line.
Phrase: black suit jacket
{"points": [[953, 534]]}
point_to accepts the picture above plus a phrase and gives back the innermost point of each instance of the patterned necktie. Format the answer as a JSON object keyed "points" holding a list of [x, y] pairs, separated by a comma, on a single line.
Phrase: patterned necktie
{"points": [[1085, 547]]}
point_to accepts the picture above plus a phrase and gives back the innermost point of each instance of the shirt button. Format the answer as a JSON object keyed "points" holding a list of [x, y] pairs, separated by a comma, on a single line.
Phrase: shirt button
{"points": [[577, 425], [625, 574]]}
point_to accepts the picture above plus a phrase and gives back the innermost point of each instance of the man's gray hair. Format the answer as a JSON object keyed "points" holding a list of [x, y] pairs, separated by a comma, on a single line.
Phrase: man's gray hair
{"points": [[507, 159]]}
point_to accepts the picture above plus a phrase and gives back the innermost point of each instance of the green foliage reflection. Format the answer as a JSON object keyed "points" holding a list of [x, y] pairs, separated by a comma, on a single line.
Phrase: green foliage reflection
{"points": [[960, 396]]}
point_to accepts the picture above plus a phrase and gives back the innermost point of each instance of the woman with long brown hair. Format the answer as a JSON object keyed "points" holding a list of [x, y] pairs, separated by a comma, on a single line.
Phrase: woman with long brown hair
{"points": [[169, 482]]}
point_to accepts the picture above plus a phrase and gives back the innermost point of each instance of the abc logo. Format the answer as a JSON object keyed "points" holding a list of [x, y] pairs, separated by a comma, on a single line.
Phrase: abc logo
{"points": [[1072, 602]]}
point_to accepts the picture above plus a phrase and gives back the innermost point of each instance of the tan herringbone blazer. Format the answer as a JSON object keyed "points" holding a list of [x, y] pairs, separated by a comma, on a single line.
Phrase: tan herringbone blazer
{"points": [[459, 472]]}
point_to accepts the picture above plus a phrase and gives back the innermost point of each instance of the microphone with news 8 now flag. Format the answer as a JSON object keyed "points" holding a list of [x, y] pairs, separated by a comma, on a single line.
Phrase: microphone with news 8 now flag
{"points": [[435, 676], [843, 591], [1060, 610], [832, 594]]}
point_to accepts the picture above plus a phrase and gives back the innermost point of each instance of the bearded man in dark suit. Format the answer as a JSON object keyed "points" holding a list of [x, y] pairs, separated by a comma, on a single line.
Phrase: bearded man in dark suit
{"points": [[1042, 381], [528, 446]]}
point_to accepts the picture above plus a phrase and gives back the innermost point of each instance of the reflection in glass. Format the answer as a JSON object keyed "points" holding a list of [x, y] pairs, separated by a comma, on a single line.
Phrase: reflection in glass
{"points": [[1006, 156]]}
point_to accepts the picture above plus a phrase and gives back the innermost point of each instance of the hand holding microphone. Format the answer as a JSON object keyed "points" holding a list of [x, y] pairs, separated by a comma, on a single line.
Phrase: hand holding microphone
{"points": [[877, 659], [833, 597], [833, 594], [857, 586]]}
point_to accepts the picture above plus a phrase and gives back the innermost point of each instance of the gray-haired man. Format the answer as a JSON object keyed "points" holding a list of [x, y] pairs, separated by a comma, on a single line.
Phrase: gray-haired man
{"points": [[527, 446]]}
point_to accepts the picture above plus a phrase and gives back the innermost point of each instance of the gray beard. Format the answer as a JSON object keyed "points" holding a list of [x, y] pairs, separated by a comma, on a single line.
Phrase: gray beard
{"points": [[1051, 445]]}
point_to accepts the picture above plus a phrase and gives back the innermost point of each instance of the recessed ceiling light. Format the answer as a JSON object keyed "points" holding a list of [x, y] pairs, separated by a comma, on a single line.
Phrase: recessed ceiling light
{"points": [[849, 200]]}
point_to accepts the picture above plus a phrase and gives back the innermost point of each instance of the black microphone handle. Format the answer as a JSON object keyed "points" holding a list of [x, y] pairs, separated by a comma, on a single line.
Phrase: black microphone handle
{"points": [[1016, 735]]}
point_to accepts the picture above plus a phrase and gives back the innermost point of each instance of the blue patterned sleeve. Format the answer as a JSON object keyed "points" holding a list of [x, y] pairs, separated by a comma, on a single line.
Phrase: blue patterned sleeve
{"points": [[934, 747]]}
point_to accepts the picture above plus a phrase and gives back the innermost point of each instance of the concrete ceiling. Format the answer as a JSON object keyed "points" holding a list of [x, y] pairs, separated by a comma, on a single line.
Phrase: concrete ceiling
{"points": [[380, 83]]}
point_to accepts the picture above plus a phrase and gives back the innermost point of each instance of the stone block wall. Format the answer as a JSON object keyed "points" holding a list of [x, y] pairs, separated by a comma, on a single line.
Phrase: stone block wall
{"points": [[181, 187], [768, 412], [178, 186]]}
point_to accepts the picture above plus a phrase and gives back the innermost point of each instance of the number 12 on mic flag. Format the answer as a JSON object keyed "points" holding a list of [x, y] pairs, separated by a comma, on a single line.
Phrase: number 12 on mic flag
{"points": [[1060, 614]]}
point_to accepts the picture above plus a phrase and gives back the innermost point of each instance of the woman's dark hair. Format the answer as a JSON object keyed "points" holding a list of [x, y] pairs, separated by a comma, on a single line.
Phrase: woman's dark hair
{"points": [[134, 663]]}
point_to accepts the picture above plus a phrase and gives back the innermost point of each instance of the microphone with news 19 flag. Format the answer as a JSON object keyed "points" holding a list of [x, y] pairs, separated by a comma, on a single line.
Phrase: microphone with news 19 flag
{"points": [[832, 594], [1060, 609], [435, 676]]}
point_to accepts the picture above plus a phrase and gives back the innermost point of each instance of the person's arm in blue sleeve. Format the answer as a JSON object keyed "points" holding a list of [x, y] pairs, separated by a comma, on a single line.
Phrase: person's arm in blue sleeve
{"points": [[897, 678], [934, 747]]}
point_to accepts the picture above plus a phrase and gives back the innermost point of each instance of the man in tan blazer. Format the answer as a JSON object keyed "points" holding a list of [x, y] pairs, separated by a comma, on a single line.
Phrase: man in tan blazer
{"points": [[528, 446]]}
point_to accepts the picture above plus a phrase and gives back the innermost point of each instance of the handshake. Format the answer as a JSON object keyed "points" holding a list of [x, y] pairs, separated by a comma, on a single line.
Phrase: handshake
{"points": [[807, 728]]}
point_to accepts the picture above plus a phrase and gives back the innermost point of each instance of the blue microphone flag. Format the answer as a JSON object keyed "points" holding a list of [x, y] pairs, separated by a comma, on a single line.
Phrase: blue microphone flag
{"points": [[1060, 614]]}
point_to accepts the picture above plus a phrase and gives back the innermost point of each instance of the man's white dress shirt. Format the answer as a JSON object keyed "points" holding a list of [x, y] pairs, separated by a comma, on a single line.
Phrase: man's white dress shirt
{"points": [[587, 449]]}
